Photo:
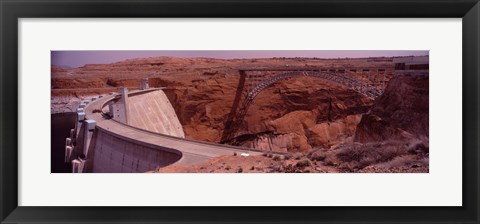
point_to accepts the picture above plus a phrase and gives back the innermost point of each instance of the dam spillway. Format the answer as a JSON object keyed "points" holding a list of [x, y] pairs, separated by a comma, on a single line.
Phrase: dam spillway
{"points": [[153, 111], [147, 137]]}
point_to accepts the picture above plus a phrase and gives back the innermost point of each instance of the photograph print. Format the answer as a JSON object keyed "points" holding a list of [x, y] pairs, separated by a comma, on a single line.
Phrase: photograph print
{"points": [[240, 111]]}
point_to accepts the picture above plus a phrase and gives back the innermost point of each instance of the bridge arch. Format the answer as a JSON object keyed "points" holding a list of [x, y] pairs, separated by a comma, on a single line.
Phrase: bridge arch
{"points": [[356, 85], [348, 82]]}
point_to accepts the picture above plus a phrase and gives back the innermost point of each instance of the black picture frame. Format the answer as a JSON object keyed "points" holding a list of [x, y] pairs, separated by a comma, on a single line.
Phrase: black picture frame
{"points": [[12, 10]]}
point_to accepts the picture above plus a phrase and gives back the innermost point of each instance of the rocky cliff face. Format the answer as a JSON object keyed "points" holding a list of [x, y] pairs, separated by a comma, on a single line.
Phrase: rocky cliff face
{"points": [[296, 135], [391, 138], [400, 113], [292, 115]]}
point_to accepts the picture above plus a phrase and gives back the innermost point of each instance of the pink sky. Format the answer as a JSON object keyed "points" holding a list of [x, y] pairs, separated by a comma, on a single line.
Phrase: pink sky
{"points": [[80, 58]]}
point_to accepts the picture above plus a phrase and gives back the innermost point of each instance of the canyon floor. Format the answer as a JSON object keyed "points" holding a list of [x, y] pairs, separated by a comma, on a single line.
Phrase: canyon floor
{"points": [[302, 124]]}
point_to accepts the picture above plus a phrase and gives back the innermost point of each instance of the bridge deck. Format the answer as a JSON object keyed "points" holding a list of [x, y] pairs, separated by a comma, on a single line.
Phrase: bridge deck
{"points": [[193, 152], [307, 68]]}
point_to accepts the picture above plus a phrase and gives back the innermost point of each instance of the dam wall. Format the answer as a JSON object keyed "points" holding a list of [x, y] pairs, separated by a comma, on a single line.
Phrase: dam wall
{"points": [[119, 154], [152, 111], [95, 146]]}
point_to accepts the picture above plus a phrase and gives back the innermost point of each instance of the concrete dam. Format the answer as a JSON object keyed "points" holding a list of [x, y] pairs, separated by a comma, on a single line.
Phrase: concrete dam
{"points": [[135, 131]]}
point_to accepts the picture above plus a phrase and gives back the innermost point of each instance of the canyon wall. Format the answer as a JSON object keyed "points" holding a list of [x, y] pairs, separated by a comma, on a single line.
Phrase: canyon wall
{"points": [[402, 112], [293, 115]]}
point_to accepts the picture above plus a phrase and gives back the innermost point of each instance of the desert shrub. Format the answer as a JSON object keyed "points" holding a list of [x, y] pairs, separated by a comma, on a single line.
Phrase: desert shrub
{"points": [[289, 169], [240, 170], [402, 164], [276, 158], [228, 167], [275, 168], [330, 159], [259, 169], [297, 156], [397, 162], [361, 155], [317, 155], [418, 146], [411, 161], [349, 167], [235, 154], [252, 168], [303, 163], [299, 167], [287, 156]]}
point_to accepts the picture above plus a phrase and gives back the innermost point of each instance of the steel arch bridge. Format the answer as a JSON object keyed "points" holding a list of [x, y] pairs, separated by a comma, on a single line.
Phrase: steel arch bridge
{"points": [[356, 85], [257, 83]]}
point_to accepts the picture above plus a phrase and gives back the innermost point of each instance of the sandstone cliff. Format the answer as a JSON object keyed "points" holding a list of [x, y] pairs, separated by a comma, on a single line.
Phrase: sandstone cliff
{"points": [[292, 115], [400, 113]]}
